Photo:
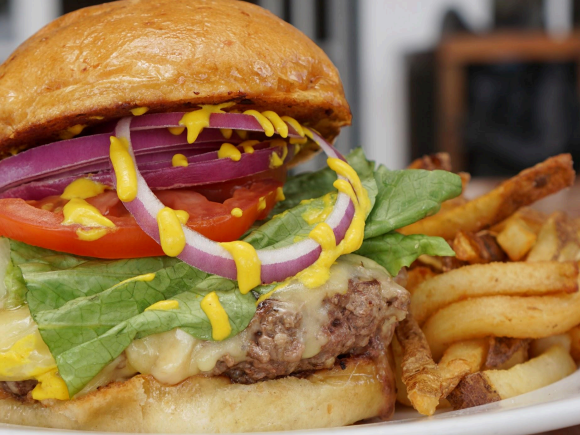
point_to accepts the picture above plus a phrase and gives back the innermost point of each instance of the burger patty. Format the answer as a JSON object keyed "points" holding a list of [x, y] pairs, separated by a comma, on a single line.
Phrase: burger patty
{"points": [[359, 321], [18, 389]]}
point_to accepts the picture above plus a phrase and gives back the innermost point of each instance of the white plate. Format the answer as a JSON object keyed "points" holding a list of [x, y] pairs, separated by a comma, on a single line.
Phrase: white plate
{"points": [[552, 407]]}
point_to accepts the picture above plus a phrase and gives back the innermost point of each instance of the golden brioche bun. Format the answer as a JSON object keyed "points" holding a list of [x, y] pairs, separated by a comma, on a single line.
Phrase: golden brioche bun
{"points": [[328, 398], [168, 55]]}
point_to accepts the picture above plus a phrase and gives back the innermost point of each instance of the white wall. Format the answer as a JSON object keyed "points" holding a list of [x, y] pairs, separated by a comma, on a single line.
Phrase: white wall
{"points": [[388, 30]]}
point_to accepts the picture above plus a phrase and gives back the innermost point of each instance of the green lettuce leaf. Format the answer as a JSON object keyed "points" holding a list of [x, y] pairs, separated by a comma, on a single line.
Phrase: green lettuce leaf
{"points": [[318, 183], [290, 224], [394, 250], [408, 195], [88, 313]]}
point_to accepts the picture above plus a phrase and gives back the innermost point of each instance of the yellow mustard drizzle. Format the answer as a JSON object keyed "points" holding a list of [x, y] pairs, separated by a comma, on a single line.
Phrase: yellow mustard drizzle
{"points": [[18, 356], [179, 160], [248, 264], [275, 160], [78, 211], [264, 122], [226, 132], [50, 386], [147, 277], [197, 120], [315, 215], [170, 232], [220, 322], [90, 235], [262, 203], [280, 194], [318, 273], [163, 306], [324, 236], [71, 132], [248, 146], [176, 131], [271, 292], [182, 216], [243, 134], [237, 212], [48, 206], [138, 111], [124, 169], [295, 125], [83, 188], [229, 151], [298, 141], [280, 126]]}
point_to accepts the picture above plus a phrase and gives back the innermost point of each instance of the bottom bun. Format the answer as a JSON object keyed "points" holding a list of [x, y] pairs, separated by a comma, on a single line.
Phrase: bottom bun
{"points": [[356, 389]]}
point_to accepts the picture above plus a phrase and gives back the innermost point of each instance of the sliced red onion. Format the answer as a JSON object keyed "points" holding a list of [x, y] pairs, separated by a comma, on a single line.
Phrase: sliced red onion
{"points": [[203, 169], [209, 256], [234, 121], [59, 157], [83, 153]]}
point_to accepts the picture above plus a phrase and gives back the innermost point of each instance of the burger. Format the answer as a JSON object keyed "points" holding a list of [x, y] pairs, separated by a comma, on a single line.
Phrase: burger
{"points": [[161, 271]]}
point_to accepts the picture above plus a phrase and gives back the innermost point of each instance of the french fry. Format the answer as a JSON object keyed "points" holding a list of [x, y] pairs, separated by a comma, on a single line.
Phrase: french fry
{"points": [[505, 352], [574, 335], [541, 345], [473, 352], [501, 316], [426, 382], [400, 385], [477, 248], [493, 385], [492, 279], [418, 370], [417, 275], [516, 239], [533, 218], [557, 240], [525, 188], [432, 162]]}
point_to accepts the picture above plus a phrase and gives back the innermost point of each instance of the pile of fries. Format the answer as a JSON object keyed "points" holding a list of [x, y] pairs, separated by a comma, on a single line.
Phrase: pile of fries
{"points": [[502, 318]]}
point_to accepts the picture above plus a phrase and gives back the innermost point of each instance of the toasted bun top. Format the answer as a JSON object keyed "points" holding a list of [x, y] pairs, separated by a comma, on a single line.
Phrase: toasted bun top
{"points": [[169, 55]]}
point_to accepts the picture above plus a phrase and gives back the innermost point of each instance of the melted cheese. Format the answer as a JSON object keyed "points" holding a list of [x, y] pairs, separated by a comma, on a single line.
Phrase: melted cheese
{"points": [[171, 233], [237, 212], [179, 160], [197, 120], [83, 188], [229, 151], [220, 322], [124, 168], [175, 355], [248, 264], [138, 111]]}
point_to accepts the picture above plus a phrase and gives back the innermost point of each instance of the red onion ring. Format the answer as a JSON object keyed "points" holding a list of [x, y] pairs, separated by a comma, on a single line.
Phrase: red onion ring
{"points": [[204, 254]]}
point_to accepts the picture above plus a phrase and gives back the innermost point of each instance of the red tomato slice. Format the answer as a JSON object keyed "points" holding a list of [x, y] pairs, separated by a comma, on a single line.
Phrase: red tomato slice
{"points": [[38, 223]]}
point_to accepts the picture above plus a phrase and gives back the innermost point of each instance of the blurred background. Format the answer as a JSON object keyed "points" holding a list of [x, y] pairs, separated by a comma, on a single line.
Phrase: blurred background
{"points": [[495, 83]]}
